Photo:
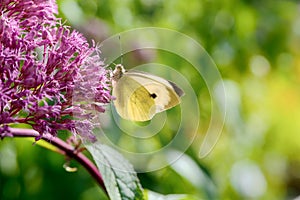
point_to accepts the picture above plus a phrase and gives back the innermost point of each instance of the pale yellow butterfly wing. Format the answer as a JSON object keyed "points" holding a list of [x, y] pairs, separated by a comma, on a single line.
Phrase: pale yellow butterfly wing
{"points": [[166, 94], [133, 101], [139, 95]]}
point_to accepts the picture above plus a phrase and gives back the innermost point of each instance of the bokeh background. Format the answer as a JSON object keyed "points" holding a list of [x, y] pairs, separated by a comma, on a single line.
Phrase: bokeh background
{"points": [[255, 45]]}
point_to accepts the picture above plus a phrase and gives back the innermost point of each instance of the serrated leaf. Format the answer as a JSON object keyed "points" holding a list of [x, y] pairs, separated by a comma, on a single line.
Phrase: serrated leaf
{"points": [[119, 177], [150, 195]]}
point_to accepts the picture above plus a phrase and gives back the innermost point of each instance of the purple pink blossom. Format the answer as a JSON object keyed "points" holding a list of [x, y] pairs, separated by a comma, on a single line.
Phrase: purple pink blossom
{"points": [[50, 77]]}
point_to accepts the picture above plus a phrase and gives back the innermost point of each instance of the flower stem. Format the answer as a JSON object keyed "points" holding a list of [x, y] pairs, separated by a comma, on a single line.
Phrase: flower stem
{"points": [[65, 149]]}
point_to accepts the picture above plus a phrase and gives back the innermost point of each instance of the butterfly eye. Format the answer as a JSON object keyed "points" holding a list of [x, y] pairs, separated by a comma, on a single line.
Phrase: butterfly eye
{"points": [[153, 95]]}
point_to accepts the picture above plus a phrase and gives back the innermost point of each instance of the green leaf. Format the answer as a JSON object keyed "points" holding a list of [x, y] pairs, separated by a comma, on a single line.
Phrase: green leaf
{"points": [[120, 179], [156, 196]]}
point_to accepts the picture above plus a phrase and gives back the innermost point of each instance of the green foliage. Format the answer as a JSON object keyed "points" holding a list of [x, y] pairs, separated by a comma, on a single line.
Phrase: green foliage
{"points": [[30, 171]]}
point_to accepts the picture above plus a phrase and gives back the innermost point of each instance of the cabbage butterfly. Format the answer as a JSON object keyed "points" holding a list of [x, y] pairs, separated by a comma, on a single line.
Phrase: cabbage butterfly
{"points": [[139, 95]]}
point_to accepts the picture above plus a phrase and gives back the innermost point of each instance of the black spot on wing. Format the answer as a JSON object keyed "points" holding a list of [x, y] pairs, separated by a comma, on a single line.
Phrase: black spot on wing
{"points": [[153, 95]]}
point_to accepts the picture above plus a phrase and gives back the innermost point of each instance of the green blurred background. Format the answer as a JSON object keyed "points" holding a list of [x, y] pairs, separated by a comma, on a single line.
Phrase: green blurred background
{"points": [[255, 45]]}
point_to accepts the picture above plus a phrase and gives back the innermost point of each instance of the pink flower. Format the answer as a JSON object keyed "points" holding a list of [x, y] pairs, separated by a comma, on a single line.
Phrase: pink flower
{"points": [[46, 70]]}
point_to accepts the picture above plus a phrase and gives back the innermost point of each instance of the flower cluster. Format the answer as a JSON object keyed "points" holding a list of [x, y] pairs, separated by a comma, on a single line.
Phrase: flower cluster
{"points": [[43, 66]]}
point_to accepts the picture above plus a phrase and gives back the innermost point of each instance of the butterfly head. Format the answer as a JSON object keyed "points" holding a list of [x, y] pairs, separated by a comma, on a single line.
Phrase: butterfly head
{"points": [[118, 72]]}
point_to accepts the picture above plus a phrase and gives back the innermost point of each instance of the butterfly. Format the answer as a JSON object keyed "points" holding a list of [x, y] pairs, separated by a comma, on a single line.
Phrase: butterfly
{"points": [[139, 95]]}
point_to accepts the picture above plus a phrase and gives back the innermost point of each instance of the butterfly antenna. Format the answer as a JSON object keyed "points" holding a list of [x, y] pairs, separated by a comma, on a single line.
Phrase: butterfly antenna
{"points": [[121, 51]]}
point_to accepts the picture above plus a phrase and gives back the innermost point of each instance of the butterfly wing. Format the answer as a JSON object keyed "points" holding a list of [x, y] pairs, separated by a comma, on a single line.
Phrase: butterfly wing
{"points": [[166, 94], [139, 96], [133, 101]]}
